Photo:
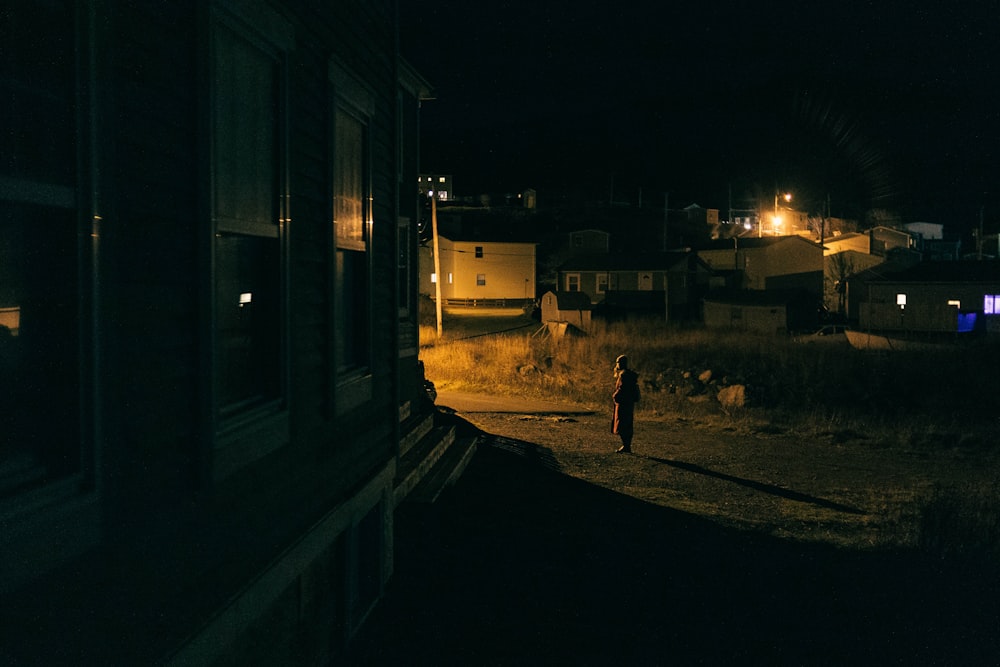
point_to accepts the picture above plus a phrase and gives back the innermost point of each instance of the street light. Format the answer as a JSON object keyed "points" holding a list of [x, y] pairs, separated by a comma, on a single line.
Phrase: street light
{"points": [[776, 220]]}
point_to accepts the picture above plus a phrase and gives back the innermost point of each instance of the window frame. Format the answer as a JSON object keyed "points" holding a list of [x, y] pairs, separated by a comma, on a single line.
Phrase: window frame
{"points": [[573, 282], [49, 524], [247, 435], [353, 386]]}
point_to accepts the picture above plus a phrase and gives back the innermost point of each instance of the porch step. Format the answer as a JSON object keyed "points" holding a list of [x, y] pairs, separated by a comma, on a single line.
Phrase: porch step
{"points": [[413, 429], [420, 458], [446, 471]]}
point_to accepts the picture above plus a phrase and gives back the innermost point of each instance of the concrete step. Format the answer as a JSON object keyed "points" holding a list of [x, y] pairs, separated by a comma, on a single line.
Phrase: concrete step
{"points": [[420, 458], [414, 428], [446, 471]]}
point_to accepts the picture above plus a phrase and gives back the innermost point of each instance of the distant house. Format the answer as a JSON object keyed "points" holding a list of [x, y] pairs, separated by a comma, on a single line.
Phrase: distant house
{"points": [[567, 307], [474, 272], [768, 263], [885, 239], [929, 296], [837, 268], [773, 311], [589, 241], [440, 186], [669, 282], [854, 241], [928, 231]]}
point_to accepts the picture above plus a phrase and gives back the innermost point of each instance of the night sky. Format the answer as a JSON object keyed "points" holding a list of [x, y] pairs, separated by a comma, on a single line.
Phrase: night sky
{"points": [[881, 105]]}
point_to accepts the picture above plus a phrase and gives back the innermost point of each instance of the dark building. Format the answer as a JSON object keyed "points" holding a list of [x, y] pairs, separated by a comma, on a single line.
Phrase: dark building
{"points": [[208, 326]]}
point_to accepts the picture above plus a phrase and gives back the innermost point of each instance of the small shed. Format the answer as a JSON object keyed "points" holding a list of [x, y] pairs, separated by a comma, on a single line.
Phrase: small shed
{"points": [[570, 307]]}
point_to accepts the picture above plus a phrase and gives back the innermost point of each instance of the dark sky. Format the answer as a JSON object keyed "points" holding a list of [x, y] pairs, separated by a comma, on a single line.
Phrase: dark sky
{"points": [[886, 104]]}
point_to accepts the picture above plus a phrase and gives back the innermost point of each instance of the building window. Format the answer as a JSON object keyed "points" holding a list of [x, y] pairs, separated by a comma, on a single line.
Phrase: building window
{"points": [[991, 304], [572, 282], [351, 210], [248, 156], [351, 280], [480, 279], [44, 248], [602, 283], [479, 252]]}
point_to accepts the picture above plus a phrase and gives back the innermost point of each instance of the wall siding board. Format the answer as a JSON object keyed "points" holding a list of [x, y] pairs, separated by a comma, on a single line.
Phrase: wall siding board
{"points": [[176, 545]]}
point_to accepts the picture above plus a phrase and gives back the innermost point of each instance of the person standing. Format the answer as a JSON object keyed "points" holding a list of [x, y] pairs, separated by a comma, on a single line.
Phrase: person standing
{"points": [[625, 396]]}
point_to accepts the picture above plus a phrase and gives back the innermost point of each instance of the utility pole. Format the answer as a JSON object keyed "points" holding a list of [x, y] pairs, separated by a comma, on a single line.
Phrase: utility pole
{"points": [[666, 217], [437, 265], [979, 238]]}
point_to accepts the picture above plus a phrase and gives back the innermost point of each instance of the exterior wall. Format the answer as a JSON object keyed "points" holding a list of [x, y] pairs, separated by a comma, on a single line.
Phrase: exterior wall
{"points": [[508, 270], [177, 540], [858, 243], [789, 258], [884, 239], [763, 319], [927, 307], [554, 311], [927, 230], [440, 185], [589, 241], [838, 267]]}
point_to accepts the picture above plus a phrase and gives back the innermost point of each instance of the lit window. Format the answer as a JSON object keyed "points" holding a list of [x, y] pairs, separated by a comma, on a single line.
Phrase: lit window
{"points": [[480, 279], [451, 278], [901, 301], [955, 302], [991, 304], [441, 179], [434, 277]]}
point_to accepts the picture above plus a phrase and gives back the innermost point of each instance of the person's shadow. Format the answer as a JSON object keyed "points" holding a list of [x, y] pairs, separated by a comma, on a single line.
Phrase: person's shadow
{"points": [[520, 564], [759, 486]]}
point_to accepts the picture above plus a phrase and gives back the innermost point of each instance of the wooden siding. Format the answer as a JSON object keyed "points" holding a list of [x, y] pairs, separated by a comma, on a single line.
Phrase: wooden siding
{"points": [[176, 544]]}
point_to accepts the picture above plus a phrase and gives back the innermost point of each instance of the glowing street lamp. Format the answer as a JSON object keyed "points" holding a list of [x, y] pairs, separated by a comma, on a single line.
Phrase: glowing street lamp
{"points": [[777, 218]]}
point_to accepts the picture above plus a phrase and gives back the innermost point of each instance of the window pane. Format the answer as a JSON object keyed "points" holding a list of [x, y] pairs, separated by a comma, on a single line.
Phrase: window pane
{"points": [[248, 314], [350, 307], [37, 86], [246, 94], [348, 187], [39, 366]]}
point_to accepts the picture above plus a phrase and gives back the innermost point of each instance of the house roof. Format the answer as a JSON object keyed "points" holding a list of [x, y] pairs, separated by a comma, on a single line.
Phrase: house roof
{"points": [[571, 300], [965, 271], [748, 242], [486, 239], [653, 261], [760, 298]]}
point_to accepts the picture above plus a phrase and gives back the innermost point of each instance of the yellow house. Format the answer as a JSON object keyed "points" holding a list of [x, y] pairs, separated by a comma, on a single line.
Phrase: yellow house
{"points": [[778, 262], [472, 272]]}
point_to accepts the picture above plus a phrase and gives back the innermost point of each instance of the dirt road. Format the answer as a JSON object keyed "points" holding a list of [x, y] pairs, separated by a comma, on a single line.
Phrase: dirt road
{"points": [[709, 546]]}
